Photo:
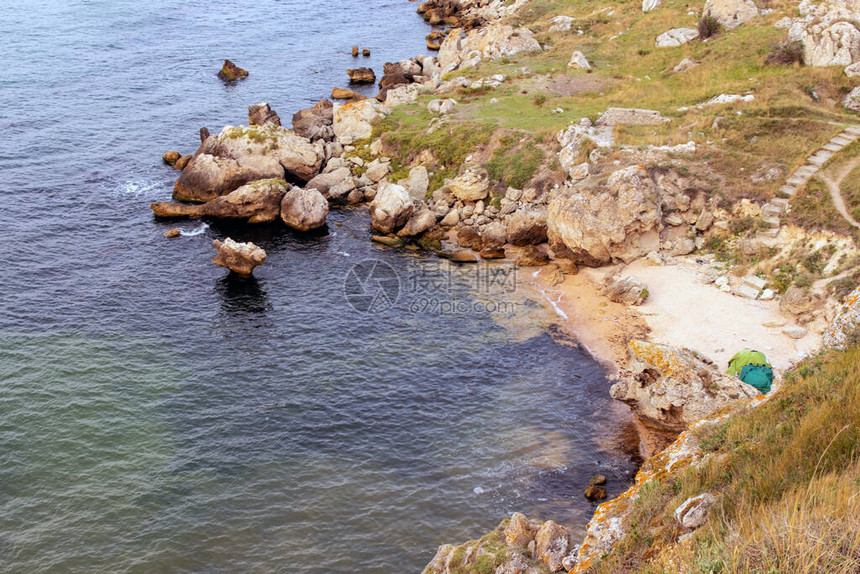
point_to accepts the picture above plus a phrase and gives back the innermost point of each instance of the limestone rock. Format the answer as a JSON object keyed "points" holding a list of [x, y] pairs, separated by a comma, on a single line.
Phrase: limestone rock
{"points": [[527, 227], [532, 256], [829, 32], [315, 123], [798, 301], [629, 291], [353, 121], [377, 170], [561, 24], [418, 224], [676, 37], [670, 387], [731, 13], [391, 208], [241, 154], [552, 542], [325, 181], [845, 324], [417, 183], [471, 185], [361, 76], [692, 513], [240, 258], [684, 65], [462, 50], [853, 71], [520, 530], [304, 209], [231, 72], [344, 94], [495, 234], [262, 114], [469, 237], [619, 221], [852, 100], [257, 202], [578, 61], [649, 5], [441, 107], [402, 95]]}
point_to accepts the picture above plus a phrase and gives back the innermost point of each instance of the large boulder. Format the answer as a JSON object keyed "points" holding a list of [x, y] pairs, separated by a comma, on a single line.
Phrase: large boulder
{"points": [[241, 154], [257, 202], [304, 209], [418, 224], [391, 208], [731, 13], [240, 258], [628, 291], [354, 121], [552, 542], [616, 221], [670, 388], [471, 185], [361, 76], [527, 227], [315, 123], [829, 32], [462, 50], [324, 182], [846, 324], [417, 183]]}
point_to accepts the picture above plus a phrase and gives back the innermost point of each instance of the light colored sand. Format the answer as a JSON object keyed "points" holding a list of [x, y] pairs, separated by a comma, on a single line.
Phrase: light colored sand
{"points": [[680, 311]]}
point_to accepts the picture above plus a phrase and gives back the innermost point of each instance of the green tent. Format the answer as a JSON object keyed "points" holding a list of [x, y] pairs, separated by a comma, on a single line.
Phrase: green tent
{"points": [[753, 368]]}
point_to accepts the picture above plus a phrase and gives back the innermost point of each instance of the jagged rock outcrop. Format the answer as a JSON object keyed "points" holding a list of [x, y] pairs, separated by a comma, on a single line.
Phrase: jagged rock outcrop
{"points": [[353, 121], [670, 388], [315, 123], [240, 258], [241, 154], [829, 32], [517, 545], [231, 72], [257, 202], [845, 326], [731, 13], [391, 208], [462, 50], [262, 114], [618, 221]]}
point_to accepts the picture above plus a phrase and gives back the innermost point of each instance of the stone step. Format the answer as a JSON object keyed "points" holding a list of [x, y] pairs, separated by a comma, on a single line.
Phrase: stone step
{"points": [[771, 210], [747, 291], [797, 180], [832, 147], [853, 131], [768, 233], [820, 158], [788, 190], [755, 282], [772, 222], [843, 140], [806, 170], [780, 202]]}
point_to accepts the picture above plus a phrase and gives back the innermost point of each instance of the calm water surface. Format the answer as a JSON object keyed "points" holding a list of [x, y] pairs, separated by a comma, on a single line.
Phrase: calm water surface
{"points": [[157, 415]]}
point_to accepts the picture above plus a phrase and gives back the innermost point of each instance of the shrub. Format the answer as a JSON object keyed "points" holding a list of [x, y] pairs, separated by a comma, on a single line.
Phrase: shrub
{"points": [[786, 54], [540, 99], [709, 26]]}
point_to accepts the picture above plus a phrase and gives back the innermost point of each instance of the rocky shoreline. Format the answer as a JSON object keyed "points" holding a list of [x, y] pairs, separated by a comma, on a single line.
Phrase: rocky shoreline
{"points": [[592, 212]]}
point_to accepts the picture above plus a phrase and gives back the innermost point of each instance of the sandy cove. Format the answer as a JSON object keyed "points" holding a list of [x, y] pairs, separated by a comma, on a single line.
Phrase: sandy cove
{"points": [[673, 314]]}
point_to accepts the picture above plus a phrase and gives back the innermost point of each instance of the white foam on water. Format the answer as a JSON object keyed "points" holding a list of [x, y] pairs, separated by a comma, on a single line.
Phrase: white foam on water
{"points": [[546, 296], [202, 229], [344, 253], [137, 188]]}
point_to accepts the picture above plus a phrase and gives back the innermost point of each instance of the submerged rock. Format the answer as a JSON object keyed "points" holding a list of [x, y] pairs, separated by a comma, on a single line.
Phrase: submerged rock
{"points": [[670, 387], [361, 76], [304, 209], [240, 258]]}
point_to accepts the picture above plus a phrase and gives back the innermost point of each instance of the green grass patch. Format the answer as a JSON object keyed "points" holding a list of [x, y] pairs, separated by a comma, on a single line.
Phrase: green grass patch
{"points": [[515, 161]]}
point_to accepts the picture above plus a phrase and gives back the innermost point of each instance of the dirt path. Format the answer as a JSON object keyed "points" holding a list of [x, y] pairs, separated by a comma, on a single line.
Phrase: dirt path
{"points": [[833, 186]]}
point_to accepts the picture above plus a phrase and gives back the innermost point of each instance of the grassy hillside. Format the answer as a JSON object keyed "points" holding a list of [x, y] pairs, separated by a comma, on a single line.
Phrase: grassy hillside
{"points": [[787, 476]]}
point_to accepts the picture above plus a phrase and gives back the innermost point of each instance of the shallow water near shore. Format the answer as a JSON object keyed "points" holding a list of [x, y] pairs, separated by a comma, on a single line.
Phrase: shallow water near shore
{"points": [[158, 414]]}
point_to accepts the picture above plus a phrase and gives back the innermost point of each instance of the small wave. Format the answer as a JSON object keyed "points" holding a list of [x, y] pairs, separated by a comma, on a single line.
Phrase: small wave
{"points": [[202, 229], [554, 304], [344, 253], [138, 188]]}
